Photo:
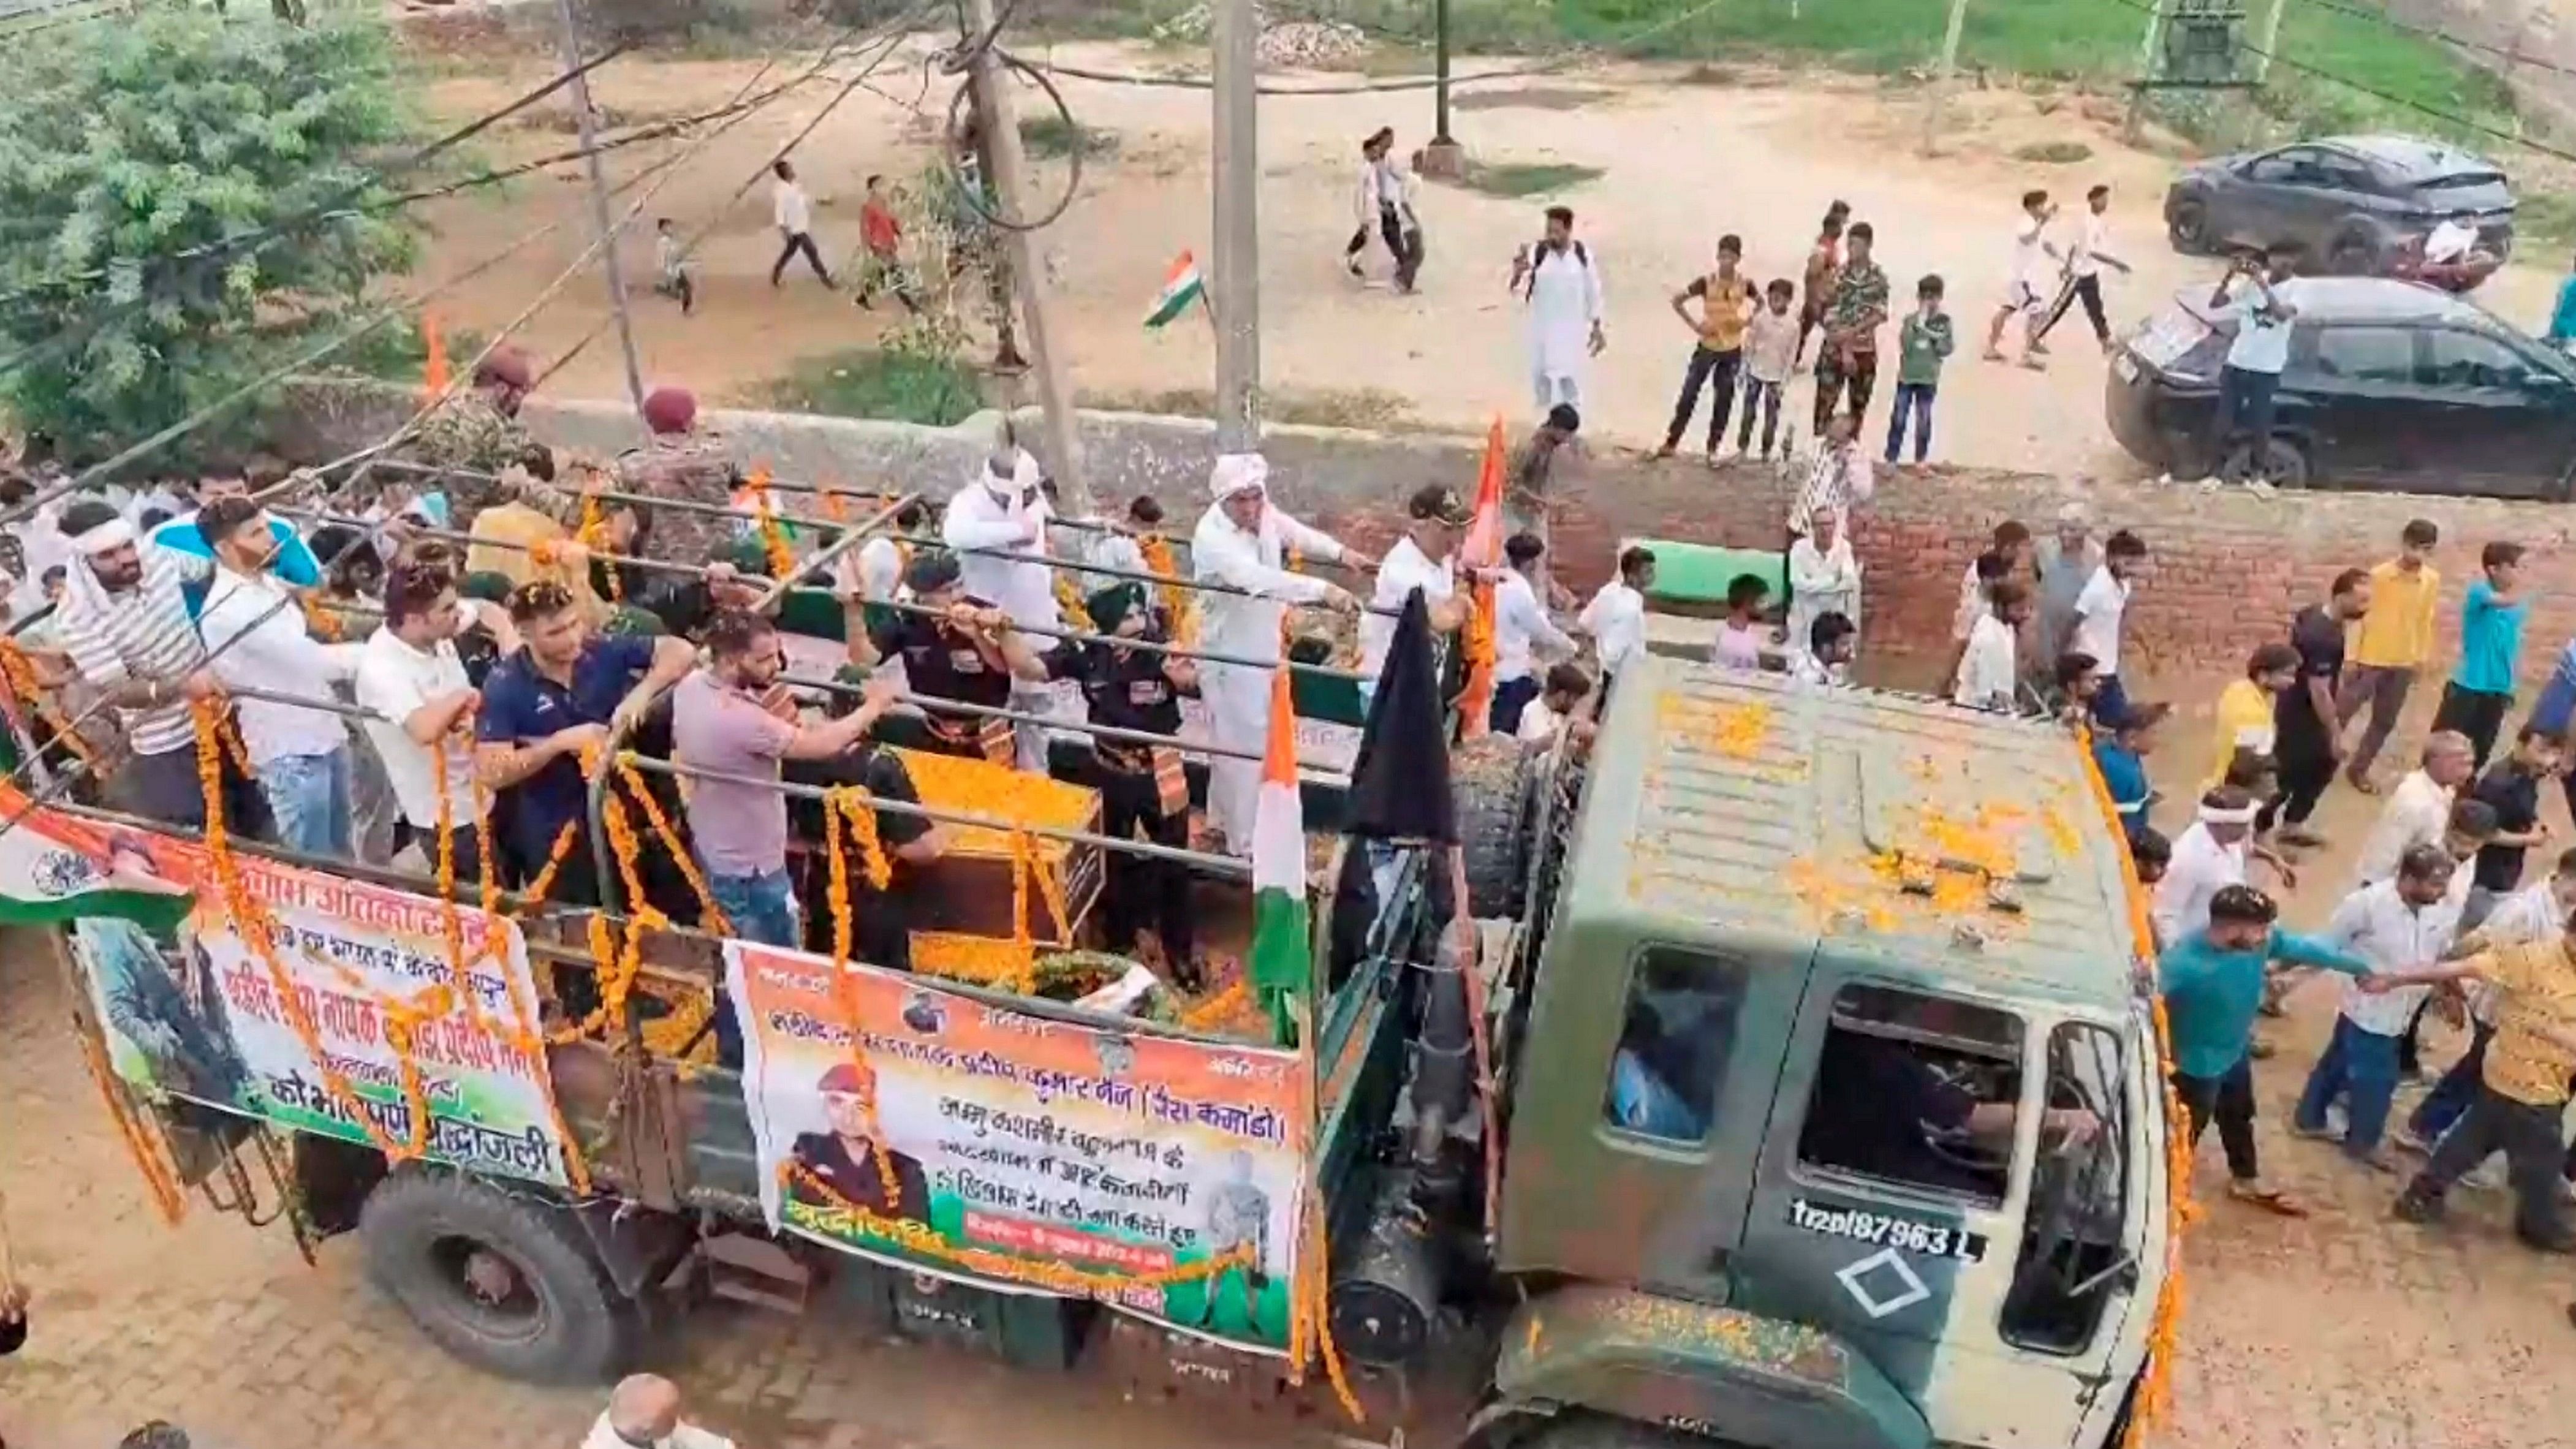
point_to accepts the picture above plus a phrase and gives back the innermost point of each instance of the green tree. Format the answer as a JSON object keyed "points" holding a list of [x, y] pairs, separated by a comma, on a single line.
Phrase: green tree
{"points": [[144, 161]]}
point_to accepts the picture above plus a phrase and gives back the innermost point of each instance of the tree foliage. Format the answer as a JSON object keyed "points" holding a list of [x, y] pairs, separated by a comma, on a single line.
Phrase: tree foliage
{"points": [[146, 164]]}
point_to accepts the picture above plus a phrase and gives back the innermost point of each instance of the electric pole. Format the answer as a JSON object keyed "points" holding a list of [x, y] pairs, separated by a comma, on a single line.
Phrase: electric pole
{"points": [[1236, 255], [1001, 125], [587, 125], [1948, 73], [1444, 156], [2269, 40]]}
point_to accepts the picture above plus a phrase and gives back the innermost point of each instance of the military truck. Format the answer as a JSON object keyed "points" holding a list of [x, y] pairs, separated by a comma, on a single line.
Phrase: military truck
{"points": [[1819, 1111]]}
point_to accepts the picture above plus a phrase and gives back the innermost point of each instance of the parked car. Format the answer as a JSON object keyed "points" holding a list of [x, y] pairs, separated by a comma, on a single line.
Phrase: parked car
{"points": [[2390, 385], [2354, 204]]}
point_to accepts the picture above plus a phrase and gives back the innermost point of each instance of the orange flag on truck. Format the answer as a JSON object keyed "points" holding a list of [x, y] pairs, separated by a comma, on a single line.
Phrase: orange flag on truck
{"points": [[433, 368], [1480, 554]]}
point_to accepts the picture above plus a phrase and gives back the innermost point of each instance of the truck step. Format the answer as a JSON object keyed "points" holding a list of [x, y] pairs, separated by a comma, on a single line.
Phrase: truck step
{"points": [[758, 1271]]}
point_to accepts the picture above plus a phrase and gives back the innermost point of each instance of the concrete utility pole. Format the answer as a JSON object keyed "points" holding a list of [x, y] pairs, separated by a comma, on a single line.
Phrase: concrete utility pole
{"points": [[1001, 121], [1444, 156], [586, 122], [1236, 270], [2269, 40], [2149, 71], [1948, 72]]}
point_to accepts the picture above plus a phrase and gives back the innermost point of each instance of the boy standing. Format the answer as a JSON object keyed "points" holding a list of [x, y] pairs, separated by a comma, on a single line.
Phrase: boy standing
{"points": [[881, 234], [1725, 299], [1921, 345], [2023, 296], [2391, 644], [677, 280], [2491, 615], [1823, 260], [1847, 354], [1770, 352]]}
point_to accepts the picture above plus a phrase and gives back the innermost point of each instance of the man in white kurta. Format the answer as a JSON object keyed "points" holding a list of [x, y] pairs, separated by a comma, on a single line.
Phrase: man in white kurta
{"points": [[1243, 543], [1560, 282], [1004, 510]]}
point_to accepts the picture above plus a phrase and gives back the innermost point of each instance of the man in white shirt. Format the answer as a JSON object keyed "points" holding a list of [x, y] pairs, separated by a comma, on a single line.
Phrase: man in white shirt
{"points": [[256, 639], [1559, 281], [1824, 578], [2084, 267], [1522, 633], [2260, 296], [2207, 858], [1005, 512], [2418, 810], [2026, 288], [1838, 477], [644, 1413], [2537, 912], [876, 575], [409, 674], [2398, 924], [1615, 620], [1987, 672], [1426, 558], [1243, 542], [2452, 241], [793, 214], [2100, 611]]}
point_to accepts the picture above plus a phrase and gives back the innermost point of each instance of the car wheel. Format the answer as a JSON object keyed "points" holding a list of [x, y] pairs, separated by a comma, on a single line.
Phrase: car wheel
{"points": [[2285, 464], [2187, 225], [2354, 252]]}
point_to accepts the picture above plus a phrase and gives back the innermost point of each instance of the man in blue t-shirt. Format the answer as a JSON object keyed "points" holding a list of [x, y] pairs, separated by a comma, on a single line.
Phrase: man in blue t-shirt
{"points": [[295, 564], [2255, 292], [2481, 687]]}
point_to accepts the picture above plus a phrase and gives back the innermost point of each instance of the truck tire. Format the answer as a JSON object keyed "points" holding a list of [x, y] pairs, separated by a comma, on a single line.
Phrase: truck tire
{"points": [[505, 1281], [1584, 1429], [1492, 780]]}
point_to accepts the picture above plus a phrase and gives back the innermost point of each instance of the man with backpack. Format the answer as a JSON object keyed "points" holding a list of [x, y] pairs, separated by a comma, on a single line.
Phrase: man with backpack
{"points": [[1557, 281]]}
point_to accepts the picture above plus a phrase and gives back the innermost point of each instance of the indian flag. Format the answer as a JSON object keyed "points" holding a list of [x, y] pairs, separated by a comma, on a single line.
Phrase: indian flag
{"points": [[1182, 286], [55, 868], [1282, 958]]}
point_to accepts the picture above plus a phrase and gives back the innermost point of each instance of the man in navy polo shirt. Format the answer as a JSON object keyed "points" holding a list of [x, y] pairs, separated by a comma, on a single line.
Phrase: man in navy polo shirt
{"points": [[566, 688]]}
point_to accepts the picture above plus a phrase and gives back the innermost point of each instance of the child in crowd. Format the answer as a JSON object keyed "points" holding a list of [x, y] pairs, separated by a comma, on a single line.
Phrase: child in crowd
{"points": [[1922, 344], [2078, 681], [1770, 344], [678, 280], [1739, 638], [2120, 749]]}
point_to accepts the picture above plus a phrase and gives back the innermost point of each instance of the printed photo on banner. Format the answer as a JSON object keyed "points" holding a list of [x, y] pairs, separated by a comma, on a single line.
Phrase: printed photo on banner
{"points": [[938, 1131], [190, 1010]]}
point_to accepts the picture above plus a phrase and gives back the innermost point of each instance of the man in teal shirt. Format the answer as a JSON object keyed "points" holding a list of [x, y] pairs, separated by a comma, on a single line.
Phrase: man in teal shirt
{"points": [[2212, 982], [2491, 615], [2562, 318]]}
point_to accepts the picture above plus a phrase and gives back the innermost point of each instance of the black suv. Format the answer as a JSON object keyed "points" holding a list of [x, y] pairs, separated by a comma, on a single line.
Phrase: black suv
{"points": [[2390, 385], [2353, 203]]}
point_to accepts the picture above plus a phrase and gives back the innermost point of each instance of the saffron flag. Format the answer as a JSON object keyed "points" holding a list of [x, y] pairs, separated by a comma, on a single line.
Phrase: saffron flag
{"points": [[1182, 286], [55, 868], [433, 346], [1481, 554], [1282, 963]]}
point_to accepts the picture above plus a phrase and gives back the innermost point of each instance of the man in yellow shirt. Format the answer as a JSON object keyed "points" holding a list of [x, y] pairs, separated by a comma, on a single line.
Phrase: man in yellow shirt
{"points": [[2247, 712], [2523, 1088], [2391, 645]]}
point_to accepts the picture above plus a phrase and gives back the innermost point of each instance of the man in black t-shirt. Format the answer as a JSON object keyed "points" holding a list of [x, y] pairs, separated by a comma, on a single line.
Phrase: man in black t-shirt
{"points": [[2305, 741], [1142, 786], [954, 646], [2512, 787]]}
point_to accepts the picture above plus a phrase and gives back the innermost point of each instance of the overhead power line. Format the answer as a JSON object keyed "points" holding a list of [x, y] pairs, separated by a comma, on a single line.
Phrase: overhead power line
{"points": [[2383, 18]]}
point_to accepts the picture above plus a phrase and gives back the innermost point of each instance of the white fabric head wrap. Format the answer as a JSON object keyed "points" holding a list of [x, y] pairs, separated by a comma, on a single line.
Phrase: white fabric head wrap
{"points": [[2212, 815], [115, 533], [1236, 472], [1023, 478]]}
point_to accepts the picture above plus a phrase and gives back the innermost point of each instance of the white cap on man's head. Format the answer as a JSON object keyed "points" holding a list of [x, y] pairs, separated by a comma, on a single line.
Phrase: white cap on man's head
{"points": [[1238, 473]]}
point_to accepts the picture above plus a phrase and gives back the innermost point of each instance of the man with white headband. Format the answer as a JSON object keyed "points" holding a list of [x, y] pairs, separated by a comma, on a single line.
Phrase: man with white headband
{"points": [[125, 623], [1005, 510], [2207, 858], [1243, 542]]}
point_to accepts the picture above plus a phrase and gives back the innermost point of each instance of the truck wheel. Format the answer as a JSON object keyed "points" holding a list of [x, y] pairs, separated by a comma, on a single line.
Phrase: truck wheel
{"points": [[506, 1282], [1492, 781], [1583, 1429]]}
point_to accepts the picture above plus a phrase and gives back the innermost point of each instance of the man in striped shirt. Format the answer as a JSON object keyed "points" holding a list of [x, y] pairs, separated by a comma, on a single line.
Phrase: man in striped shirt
{"points": [[125, 624]]}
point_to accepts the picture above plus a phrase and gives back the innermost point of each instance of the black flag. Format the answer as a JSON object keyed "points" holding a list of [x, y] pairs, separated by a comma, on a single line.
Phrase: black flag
{"points": [[1400, 785]]}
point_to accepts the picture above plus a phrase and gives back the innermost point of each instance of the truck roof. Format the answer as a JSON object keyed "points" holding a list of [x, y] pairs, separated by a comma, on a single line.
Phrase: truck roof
{"points": [[1951, 843]]}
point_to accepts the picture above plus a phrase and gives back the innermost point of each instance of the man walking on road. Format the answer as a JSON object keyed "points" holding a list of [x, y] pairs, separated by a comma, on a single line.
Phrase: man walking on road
{"points": [[2084, 268], [2390, 647], [793, 214], [1561, 288], [2022, 295]]}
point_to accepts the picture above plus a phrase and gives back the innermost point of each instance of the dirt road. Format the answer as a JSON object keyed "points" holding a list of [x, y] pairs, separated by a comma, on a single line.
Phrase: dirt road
{"points": [[1681, 164]]}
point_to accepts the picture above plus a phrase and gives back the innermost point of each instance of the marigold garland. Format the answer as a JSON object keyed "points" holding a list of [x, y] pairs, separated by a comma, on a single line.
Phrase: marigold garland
{"points": [[773, 536], [593, 533], [712, 915], [146, 1148], [20, 672], [1180, 604]]}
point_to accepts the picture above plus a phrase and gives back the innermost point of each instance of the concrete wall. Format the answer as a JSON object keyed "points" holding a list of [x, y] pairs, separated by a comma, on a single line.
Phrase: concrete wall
{"points": [[2226, 570]]}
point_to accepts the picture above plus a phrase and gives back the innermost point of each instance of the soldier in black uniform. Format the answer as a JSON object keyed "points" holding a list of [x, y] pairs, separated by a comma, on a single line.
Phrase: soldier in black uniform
{"points": [[969, 654], [1142, 787], [881, 932], [848, 1166]]}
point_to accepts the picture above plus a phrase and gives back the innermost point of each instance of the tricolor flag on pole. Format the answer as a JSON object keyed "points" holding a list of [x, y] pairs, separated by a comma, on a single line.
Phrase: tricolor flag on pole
{"points": [[1282, 956], [1182, 288], [1482, 552]]}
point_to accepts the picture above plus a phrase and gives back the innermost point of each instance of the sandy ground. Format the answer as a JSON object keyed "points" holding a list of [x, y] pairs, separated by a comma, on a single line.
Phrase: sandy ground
{"points": [[1682, 163]]}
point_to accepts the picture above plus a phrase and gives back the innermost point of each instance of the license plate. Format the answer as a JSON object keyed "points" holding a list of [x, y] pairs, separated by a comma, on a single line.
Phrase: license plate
{"points": [[2126, 366]]}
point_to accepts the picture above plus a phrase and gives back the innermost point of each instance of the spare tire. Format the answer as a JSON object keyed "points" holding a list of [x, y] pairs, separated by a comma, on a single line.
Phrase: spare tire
{"points": [[505, 1280], [1494, 782]]}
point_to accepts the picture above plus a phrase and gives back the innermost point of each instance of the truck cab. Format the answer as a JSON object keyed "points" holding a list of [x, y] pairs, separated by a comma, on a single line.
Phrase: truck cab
{"points": [[1835, 1115]]}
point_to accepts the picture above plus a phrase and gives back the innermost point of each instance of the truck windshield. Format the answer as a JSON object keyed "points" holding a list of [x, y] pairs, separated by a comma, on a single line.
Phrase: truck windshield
{"points": [[1916, 1090]]}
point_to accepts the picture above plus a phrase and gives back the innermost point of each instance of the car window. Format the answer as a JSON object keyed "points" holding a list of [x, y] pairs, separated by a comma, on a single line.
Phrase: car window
{"points": [[2279, 166], [1899, 1082], [1674, 1042], [2468, 359], [2364, 354]]}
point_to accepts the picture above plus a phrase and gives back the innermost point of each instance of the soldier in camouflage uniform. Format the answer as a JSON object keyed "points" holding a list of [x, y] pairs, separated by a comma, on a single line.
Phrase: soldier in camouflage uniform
{"points": [[478, 432], [685, 462]]}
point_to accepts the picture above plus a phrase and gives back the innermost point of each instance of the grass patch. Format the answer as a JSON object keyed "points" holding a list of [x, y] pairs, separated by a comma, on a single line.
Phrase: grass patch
{"points": [[1052, 137], [1527, 98], [1371, 408], [1517, 179], [2054, 153], [2545, 219], [864, 382]]}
